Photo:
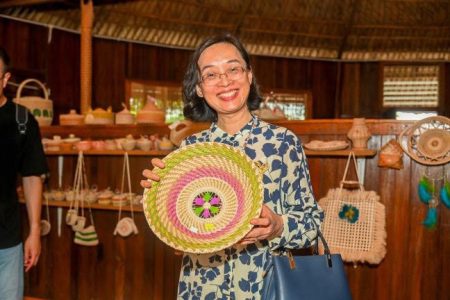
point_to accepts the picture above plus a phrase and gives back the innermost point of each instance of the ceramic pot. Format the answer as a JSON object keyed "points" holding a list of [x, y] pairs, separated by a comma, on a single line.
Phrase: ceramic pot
{"points": [[359, 134]]}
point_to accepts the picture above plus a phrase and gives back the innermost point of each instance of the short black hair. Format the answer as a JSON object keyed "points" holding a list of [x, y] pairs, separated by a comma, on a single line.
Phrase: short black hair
{"points": [[4, 57], [195, 108]]}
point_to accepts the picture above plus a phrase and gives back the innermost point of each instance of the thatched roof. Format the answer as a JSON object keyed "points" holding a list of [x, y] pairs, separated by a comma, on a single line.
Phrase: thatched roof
{"points": [[321, 29]]}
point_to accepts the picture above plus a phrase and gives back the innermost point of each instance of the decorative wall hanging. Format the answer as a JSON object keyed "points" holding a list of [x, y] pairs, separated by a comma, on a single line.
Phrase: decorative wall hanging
{"points": [[207, 195], [84, 235], [428, 141], [391, 155], [126, 226], [354, 223], [45, 223], [434, 184]]}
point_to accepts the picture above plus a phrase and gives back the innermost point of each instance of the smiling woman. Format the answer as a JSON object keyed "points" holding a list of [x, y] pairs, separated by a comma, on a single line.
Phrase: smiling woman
{"points": [[219, 86]]}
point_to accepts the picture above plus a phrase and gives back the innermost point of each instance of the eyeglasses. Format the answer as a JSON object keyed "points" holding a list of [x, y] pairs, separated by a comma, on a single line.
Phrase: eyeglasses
{"points": [[232, 73]]}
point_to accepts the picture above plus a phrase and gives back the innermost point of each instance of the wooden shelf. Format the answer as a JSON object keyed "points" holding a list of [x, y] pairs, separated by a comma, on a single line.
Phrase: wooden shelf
{"points": [[136, 208], [358, 153], [111, 152], [162, 153]]}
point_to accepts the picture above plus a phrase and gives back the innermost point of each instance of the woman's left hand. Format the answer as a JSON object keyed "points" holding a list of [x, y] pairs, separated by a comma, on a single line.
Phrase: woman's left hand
{"points": [[267, 226]]}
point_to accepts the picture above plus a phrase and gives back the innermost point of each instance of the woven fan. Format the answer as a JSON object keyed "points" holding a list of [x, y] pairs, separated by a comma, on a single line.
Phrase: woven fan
{"points": [[428, 141], [207, 195]]}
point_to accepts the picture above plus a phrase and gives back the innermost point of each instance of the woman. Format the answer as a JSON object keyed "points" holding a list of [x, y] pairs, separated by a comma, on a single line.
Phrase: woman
{"points": [[219, 86]]}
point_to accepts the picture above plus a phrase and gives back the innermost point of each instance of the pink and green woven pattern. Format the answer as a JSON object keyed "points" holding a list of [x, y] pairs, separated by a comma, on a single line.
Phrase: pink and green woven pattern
{"points": [[207, 195]]}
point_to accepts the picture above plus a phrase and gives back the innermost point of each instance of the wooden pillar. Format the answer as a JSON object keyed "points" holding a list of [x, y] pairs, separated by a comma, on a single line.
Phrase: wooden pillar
{"points": [[87, 19]]}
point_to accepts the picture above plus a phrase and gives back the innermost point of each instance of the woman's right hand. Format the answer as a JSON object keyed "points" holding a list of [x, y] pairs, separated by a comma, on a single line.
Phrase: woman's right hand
{"points": [[150, 175]]}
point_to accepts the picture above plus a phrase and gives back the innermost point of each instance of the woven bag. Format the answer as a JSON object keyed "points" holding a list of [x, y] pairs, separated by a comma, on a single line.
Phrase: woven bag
{"points": [[354, 223]]}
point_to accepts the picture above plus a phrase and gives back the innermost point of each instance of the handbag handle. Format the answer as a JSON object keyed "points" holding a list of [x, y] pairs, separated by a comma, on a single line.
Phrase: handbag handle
{"points": [[319, 233], [351, 156]]}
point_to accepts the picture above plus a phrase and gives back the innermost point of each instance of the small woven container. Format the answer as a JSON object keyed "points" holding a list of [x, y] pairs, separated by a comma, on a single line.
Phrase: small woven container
{"points": [[207, 195]]}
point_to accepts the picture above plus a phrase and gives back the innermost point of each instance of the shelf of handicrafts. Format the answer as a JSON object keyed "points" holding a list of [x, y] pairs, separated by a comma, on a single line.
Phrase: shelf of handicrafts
{"points": [[53, 203], [358, 152], [161, 153]]}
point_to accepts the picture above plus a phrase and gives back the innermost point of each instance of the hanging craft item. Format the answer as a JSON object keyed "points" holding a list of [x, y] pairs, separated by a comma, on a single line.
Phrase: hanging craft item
{"points": [[354, 223], [428, 141], [391, 155], [445, 192], [75, 195], [428, 191], [205, 199], [126, 226], [45, 223], [84, 235]]}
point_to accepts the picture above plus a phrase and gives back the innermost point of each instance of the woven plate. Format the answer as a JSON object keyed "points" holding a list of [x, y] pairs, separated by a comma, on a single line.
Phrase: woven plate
{"points": [[317, 145], [428, 140], [207, 195]]}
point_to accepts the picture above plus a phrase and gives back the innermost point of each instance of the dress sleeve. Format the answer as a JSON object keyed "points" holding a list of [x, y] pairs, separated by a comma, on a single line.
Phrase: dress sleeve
{"points": [[299, 206]]}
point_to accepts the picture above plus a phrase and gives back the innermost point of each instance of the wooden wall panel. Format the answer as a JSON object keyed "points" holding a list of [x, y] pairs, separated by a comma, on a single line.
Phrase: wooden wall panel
{"points": [[64, 72], [141, 267], [109, 73]]}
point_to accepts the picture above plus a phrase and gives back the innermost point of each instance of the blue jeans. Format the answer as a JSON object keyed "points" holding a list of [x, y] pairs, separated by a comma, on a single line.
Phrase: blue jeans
{"points": [[11, 273]]}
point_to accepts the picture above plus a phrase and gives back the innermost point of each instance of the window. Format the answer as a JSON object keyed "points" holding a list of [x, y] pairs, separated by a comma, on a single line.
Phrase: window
{"points": [[414, 115], [167, 95], [411, 91], [295, 105]]}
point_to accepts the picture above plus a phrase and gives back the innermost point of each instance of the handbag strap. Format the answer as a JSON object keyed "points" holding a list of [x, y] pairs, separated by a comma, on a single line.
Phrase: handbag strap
{"points": [[319, 233], [351, 156]]}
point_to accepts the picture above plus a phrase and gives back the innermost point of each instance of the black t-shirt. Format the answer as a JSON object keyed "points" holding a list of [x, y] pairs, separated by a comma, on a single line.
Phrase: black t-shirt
{"points": [[20, 154]]}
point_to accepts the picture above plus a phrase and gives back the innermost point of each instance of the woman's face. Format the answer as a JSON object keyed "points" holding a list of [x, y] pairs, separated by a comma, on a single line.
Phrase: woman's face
{"points": [[225, 83]]}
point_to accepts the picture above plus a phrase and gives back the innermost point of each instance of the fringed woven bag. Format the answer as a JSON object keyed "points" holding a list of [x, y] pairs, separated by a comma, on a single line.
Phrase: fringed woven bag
{"points": [[354, 223]]}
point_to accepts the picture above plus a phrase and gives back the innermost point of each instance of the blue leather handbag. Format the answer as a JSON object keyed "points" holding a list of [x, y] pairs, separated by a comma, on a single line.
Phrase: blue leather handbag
{"points": [[309, 277]]}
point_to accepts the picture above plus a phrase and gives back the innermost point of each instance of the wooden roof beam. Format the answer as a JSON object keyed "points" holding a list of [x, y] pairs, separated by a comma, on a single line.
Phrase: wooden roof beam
{"points": [[348, 27], [15, 3], [240, 19]]}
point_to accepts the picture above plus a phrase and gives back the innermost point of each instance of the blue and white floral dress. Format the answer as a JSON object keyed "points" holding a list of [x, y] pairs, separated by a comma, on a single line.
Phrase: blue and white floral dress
{"points": [[237, 272]]}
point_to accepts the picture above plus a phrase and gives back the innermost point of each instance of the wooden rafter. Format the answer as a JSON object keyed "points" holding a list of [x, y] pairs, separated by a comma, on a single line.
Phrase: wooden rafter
{"points": [[15, 3], [348, 27], [240, 19], [159, 18]]}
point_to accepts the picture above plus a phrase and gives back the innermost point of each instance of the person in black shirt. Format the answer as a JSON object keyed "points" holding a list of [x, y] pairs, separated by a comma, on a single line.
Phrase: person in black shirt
{"points": [[21, 153]]}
